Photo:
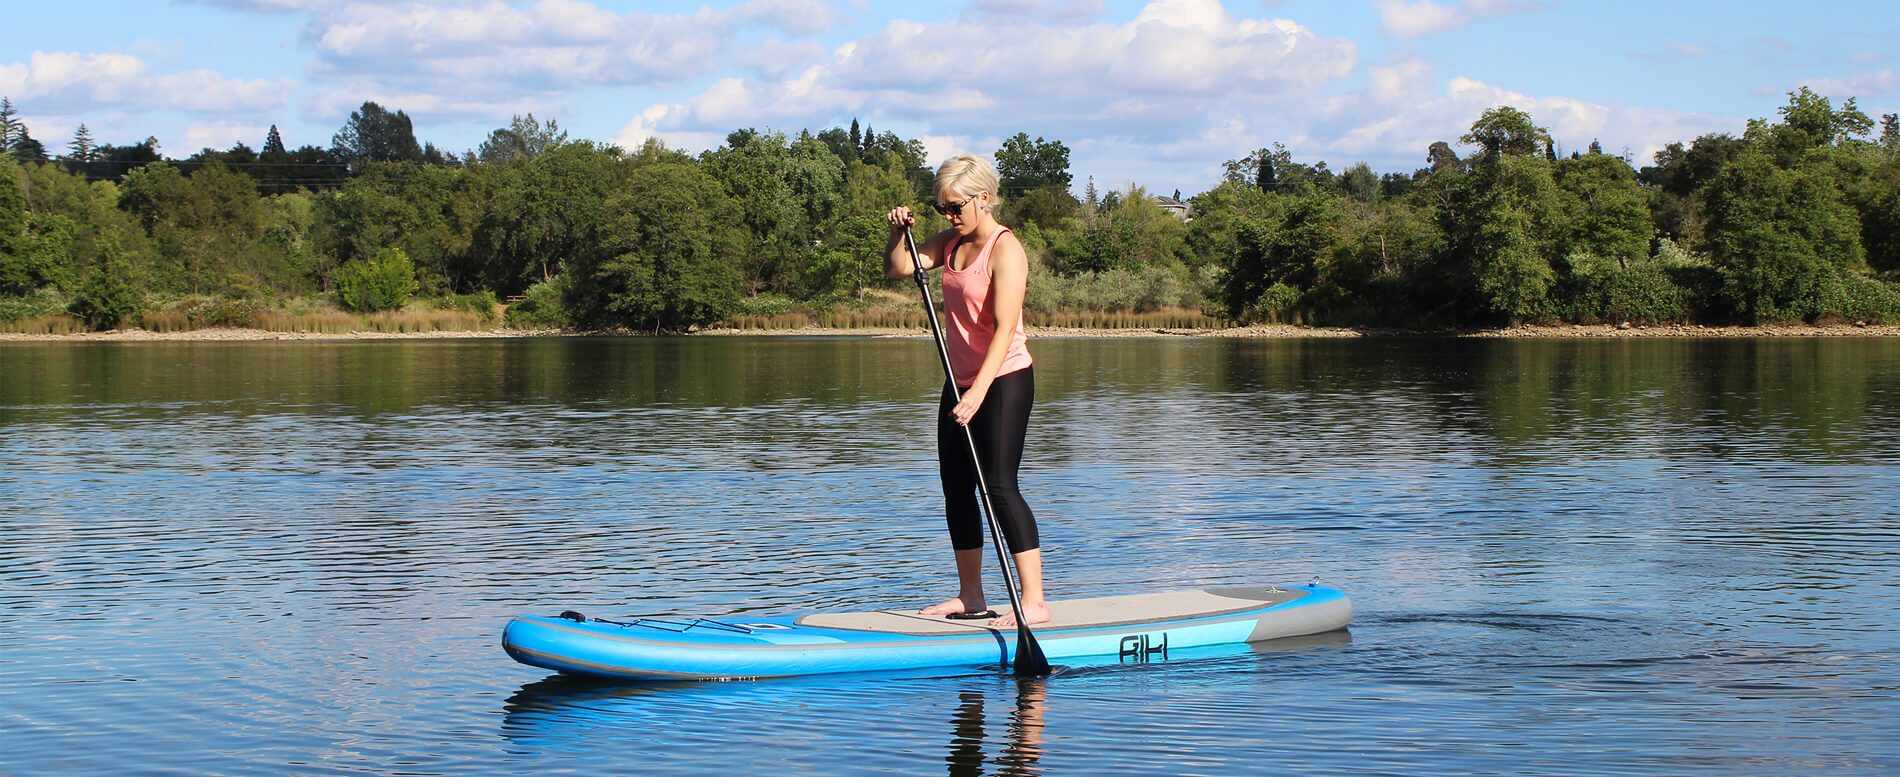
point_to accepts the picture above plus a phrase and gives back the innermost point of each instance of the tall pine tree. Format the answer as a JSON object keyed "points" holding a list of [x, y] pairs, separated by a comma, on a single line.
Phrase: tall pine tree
{"points": [[25, 148], [1266, 178], [80, 150], [274, 146], [8, 124]]}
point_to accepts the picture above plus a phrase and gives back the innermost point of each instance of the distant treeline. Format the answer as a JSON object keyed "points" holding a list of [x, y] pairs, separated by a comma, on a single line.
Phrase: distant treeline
{"points": [[1796, 219]]}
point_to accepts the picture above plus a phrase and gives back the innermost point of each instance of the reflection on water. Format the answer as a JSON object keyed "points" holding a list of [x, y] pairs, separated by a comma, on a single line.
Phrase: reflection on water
{"points": [[996, 721], [1655, 557], [1022, 747]]}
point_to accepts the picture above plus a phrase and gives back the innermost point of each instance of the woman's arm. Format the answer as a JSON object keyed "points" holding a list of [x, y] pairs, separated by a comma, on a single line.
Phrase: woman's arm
{"points": [[1009, 283], [897, 255]]}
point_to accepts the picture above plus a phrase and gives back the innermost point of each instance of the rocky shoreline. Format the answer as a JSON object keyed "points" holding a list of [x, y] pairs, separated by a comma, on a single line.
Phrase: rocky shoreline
{"points": [[1259, 331]]}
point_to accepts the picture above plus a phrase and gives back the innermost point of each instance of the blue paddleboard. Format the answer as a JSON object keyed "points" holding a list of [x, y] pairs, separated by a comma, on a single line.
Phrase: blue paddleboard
{"points": [[1137, 627]]}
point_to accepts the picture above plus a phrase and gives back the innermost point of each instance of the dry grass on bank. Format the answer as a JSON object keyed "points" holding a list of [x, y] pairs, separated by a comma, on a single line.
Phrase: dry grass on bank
{"points": [[60, 324]]}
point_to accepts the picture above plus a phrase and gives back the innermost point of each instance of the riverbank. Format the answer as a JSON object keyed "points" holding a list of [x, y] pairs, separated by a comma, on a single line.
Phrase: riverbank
{"points": [[1257, 331]]}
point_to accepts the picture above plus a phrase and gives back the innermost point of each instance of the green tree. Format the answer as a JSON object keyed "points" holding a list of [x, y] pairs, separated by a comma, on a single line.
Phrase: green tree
{"points": [[26, 149], [1213, 237], [19, 273], [373, 134], [40, 257], [1440, 156], [1609, 213], [1777, 234], [385, 281], [523, 138], [1293, 252], [1809, 120], [274, 150], [80, 149], [9, 124], [1679, 173], [753, 167], [1360, 183], [664, 263], [545, 212], [1879, 206], [1046, 205], [1023, 164], [110, 294], [842, 145], [12, 203], [1505, 224], [1506, 131], [205, 226]]}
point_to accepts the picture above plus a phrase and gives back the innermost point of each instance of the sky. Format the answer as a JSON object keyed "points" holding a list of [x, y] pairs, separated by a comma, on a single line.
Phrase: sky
{"points": [[1156, 94]]}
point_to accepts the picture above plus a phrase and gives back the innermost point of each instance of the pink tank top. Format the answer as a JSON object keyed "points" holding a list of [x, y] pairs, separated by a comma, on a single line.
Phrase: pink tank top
{"points": [[972, 324]]}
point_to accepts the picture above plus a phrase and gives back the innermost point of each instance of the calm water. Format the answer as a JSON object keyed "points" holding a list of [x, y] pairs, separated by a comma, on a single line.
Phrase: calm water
{"points": [[1649, 557]]}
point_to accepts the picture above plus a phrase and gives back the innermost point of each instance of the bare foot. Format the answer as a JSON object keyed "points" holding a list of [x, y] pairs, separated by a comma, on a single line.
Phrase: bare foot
{"points": [[952, 606], [1038, 613]]}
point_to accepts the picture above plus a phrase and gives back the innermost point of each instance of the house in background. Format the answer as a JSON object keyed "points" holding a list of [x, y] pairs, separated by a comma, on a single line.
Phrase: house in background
{"points": [[1177, 208]]}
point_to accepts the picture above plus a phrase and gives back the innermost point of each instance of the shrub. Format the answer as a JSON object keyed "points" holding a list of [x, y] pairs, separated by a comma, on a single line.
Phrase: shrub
{"points": [[383, 282], [767, 304], [482, 304], [199, 312], [1856, 297], [44, 302], [542, 307], [1279, 304], [110, 293], [1602, 289]]}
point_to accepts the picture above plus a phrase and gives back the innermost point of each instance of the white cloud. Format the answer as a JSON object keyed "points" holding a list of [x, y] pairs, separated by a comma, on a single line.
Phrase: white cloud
{"points": [[1393, 123], [1042, 10], [1875, 83], [491, 52], [803, 17], [68, 82], [269, 6], [1146, 80], [338, 100], [1414, 18]]}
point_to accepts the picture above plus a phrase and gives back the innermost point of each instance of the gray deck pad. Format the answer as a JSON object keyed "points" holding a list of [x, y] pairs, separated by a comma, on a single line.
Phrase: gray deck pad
{"points": [[1074, 613]]}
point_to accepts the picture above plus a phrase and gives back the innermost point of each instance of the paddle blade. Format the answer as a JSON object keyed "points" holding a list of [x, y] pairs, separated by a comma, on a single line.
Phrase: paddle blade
{"points": [[1030, 662]]}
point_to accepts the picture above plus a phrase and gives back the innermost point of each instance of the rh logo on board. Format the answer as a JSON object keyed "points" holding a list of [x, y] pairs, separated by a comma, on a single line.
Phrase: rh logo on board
{"points": [[1141, 648]]}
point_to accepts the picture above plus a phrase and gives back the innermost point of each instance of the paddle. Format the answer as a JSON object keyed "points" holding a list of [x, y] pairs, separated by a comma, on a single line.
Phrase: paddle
{"points": [[1030, 662]]}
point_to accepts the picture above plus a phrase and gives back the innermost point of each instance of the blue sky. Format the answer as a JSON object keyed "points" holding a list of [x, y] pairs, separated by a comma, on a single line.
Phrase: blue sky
{"points": [[1150, 93]]}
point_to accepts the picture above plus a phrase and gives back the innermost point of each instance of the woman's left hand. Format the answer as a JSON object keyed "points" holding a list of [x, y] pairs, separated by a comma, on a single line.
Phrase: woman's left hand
{"points": [[966, 409]]}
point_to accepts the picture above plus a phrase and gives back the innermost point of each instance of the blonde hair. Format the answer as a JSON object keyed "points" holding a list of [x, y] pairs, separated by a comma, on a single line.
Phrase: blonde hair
{"points": [[969, 176]]}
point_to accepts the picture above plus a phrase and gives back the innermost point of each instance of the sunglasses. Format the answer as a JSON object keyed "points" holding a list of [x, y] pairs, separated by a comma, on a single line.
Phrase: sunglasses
{"points": [[953, 209]]}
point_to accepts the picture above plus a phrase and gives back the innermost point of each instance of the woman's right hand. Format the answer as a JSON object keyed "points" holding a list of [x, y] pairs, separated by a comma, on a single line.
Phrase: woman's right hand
{"points": [[900, 218]]}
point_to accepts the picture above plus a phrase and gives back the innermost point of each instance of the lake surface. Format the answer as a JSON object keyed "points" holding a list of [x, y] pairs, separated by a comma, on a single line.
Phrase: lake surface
{"points": [[1582, 557]]}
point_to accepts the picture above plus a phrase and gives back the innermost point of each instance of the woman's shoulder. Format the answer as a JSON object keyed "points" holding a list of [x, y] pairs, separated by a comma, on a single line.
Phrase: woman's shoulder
{"points": [[1007, 244]]}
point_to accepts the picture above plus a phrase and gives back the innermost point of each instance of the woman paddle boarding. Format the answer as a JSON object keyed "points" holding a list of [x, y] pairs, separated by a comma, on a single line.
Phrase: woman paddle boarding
{"points": [[985, 277]]}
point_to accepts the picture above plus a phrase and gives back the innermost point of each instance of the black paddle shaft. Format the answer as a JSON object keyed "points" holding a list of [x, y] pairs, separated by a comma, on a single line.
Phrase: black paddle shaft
{"points": [[1029, 658]]}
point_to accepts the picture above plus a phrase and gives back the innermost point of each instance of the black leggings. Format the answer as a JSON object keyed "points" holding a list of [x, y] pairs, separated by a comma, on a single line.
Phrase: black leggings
{"points": [[998, 427]]}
